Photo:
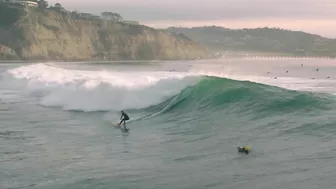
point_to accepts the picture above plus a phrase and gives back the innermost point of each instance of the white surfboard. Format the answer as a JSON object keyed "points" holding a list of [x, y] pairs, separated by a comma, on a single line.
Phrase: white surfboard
{"points": [[117, 125]]}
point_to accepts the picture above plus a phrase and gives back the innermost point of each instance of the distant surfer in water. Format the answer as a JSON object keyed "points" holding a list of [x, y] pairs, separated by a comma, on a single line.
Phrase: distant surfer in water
{"points": [[124, 117], [244, 149]]}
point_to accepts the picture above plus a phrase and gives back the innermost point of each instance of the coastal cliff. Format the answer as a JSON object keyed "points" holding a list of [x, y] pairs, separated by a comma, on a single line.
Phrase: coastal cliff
{"points": [[46, 34]]}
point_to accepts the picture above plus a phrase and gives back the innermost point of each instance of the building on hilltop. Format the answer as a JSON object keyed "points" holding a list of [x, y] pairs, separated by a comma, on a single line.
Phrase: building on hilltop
{"points": [[21, 2]]}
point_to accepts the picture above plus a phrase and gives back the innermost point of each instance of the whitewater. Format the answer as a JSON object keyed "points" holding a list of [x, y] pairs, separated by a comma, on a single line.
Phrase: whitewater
{"points": [[187, 119]]}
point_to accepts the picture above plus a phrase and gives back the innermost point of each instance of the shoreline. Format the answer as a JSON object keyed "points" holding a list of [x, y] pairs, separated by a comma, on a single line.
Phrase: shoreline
{"points": [[153, 61]]}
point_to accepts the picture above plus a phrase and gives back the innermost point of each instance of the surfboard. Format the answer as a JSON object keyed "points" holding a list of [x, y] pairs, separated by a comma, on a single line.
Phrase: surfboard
{"points": [[116, 125]]}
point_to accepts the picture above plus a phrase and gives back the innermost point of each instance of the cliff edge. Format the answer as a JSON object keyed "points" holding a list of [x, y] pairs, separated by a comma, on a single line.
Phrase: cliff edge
{"points": [[46, 34]]}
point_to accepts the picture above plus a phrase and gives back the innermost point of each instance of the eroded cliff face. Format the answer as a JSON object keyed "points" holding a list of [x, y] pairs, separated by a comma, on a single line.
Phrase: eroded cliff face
{"points": [[37, 34]]}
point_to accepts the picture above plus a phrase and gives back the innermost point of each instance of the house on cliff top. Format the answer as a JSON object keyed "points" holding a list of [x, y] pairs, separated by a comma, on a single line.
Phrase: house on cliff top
{"points": [[30, 3]]}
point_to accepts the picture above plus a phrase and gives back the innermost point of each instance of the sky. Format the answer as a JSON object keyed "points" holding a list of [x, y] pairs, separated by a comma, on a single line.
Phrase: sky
{"points": [[313, 16]]}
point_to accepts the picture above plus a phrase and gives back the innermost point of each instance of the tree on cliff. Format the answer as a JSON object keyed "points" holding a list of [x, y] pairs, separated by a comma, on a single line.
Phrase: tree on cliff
{"points": [[117, 17], [111, 16], [59, 7], [42, 4]]}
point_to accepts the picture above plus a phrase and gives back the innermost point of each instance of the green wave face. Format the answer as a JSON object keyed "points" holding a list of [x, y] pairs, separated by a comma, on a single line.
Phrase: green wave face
{"points": [[246, 104], [221, 94]]}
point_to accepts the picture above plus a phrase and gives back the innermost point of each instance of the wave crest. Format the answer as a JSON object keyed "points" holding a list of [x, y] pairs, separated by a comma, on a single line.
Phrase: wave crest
{"points": [[98, 90]]}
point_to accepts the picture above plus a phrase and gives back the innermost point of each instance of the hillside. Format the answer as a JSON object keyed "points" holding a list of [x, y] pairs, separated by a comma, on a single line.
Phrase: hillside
{"points": [[261, 40], [47, 34]]}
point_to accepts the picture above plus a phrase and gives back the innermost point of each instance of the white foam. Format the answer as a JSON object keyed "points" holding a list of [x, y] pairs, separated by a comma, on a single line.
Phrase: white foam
{"points": [[98, 90]]}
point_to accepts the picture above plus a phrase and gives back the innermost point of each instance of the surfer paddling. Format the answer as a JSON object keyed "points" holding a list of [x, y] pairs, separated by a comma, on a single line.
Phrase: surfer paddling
{"points": [[124, 117]]}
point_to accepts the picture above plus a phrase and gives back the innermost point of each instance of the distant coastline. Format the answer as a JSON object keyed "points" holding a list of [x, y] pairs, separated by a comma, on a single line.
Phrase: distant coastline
{"points": [[260, 41]]}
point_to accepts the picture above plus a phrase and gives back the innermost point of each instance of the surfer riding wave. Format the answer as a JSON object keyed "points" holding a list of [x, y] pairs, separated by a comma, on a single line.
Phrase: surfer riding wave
{"points": [[124, 117]]}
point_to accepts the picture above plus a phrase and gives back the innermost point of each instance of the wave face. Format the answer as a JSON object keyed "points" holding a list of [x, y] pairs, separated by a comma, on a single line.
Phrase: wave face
{"points": [[244, 101], [218, 93]]}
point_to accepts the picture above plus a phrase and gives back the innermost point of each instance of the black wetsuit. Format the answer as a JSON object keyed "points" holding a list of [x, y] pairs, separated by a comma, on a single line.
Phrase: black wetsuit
{"points": [[123, 118]]}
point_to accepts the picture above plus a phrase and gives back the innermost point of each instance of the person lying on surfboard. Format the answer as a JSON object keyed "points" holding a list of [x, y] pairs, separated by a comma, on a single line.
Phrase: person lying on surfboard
{"points": [[123, 118]]}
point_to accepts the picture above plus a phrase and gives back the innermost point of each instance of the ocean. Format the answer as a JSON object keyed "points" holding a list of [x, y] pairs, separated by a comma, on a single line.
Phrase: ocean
{"points": [[187, 120]]}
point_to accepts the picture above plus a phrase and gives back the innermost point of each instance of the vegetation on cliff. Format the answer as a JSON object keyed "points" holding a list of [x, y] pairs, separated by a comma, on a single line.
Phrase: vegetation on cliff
{"points": [[56, 34], [269, 40]]}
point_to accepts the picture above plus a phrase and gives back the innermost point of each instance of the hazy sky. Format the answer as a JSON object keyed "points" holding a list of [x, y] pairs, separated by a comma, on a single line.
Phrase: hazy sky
{"points": [[315, 16]]}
